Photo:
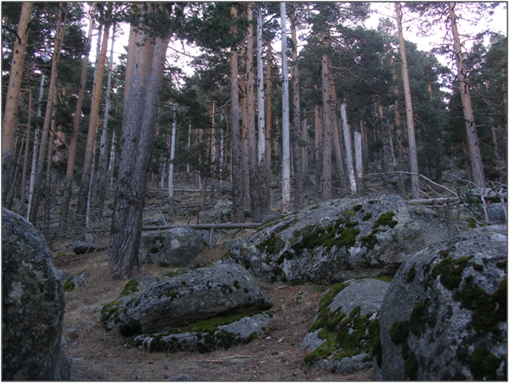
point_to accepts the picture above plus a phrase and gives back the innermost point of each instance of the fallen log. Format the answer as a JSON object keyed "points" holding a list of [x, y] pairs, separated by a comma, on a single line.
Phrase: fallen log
{"points": [[206, 226], [433, 201]]}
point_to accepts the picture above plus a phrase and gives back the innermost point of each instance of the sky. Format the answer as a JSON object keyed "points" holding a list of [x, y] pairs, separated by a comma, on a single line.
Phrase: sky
{"points": [[498, 23]]}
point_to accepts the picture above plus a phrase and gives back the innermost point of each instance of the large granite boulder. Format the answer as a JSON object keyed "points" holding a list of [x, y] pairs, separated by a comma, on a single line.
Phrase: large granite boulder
{"points": [[32, 305], [340, 240], [345, 333], [444, 316], [174, 248], [189, 298]]}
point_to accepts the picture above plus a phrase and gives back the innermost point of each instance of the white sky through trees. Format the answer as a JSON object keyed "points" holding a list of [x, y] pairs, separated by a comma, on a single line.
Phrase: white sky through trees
{"points": [[496, 23]]}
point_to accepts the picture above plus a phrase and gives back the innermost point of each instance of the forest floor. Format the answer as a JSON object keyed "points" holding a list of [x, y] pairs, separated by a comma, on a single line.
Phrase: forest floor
{"points": [[98, 355]]}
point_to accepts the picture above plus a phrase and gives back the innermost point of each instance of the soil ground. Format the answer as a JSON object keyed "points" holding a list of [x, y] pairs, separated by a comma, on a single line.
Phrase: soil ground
{"points": [[98, 355]]}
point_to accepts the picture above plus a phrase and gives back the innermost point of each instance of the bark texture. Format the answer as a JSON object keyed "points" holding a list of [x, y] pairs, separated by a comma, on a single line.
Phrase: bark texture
{"points": [[10, 120], [140, 112]]}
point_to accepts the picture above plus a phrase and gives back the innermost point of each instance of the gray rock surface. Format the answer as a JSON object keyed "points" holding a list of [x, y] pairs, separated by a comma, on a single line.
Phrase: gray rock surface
{"points": [[444, 316], [188, 298], [345, 332], [174, 248], [340, 240], [207, 335], [32, 305], [220, 213]]}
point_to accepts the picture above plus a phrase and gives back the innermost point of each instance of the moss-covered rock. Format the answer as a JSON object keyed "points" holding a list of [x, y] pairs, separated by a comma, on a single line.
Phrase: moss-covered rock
{"points": [[445, 314], [207, 335], [340, 240], [345, 333], [188, 298]]}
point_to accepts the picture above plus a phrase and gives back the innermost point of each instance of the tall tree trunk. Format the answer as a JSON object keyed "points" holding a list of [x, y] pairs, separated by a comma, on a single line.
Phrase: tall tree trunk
{"points": [[102, 174], [348, 150], [327, 136], [171, 165], [27, 149], [262, 170], [336, 135], [296, 120], [269, 118], [285, 118], [10, 120], [236, 138], [139, 127], [59, 39], [68, 183], [81, 210], [256, 211], [472, 136], [413, 153]]}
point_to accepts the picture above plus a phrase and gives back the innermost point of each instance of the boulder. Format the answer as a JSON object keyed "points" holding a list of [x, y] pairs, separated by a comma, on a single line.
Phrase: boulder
{"points": [[32, 305], [174, 248], [220, 213], [207, 335], [110, 312], [83, 247], [346, 330], [340, 240], [189, 298], [444, 316]]}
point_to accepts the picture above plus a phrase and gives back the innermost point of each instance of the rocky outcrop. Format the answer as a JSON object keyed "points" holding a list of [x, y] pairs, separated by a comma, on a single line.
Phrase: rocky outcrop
{"points": [[189, 298], [340, 240], [220, 213], [32, 305], [174, 248], [345, 332], [444, 316]]}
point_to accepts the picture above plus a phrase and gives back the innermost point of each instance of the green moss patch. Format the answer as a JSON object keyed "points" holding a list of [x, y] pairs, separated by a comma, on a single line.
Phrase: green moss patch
{"points": [[344, 335], [385, 219], [130, 288], [450, 271], [484, 365], [68, 285]]}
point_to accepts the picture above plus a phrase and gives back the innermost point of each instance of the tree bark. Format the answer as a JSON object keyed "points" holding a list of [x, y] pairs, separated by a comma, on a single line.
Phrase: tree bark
{"points": [[171, 165], [81, 210], [475, 156], [327, 191], [10, 120], [285, 118], [139, 127], [59, 39], [255, 197], [68, 182], [236, 138], [263, 173], [296, 120], [413, 153], [269, 118], [348, 150]]}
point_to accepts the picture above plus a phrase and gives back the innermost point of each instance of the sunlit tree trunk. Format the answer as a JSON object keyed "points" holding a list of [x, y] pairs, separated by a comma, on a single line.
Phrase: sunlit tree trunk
{"points": [[9, 123], [59, 39], [413, 153], [285, 118], [171, 165], [102, 173], [81, 210], [68, 182], [475, 156]]}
